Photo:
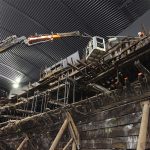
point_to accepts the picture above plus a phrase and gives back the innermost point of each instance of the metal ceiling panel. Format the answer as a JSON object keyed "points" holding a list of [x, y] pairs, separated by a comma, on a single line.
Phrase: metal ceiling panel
{"points": [[5, 83], [9, 73]]}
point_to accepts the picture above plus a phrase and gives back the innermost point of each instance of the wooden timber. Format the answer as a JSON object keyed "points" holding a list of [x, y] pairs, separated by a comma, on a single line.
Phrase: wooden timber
{"points": [[59, 135], [67, 145], [22, 143], [144, 126]]}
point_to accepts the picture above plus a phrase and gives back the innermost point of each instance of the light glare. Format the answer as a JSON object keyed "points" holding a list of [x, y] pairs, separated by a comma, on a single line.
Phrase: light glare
{"points": [[18, 80], [15, 85]]}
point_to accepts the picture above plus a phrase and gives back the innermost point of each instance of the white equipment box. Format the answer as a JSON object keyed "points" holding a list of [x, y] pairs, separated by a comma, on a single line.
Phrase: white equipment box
{"points": [[95, 48]]}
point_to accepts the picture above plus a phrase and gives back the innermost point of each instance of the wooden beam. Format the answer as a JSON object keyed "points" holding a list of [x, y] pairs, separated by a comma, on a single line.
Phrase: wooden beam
{"points": [[78, 69], [13, 106], [144, 126], [55, 102], [11, 117], [26, 111], [7, 122], [82, 63], [74, 130], [22, 143], [59, 135], [67, 145], [73, 146], [72, 133]]}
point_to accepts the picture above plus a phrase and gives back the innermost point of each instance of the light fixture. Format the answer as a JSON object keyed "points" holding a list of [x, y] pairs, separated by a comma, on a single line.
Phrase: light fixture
{"points": [[16, 82], [15, 85], [18, 79]]}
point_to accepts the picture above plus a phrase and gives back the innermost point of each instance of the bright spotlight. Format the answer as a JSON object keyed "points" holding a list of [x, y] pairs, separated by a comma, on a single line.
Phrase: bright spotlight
{"points": [[15, 85], [18, 79]]}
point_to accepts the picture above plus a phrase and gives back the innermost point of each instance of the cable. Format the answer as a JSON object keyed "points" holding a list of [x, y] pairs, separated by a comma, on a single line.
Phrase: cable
{"points": [[35, 106], [33, 102], [27, 102], [42, 105], [45, 102], [65, 94], [68, 90], [74, 87], [58, 89]]}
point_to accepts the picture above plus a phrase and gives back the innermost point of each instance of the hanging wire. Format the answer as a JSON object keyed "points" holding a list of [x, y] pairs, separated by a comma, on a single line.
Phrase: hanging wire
{"points": [[33, 102], [10, 112], [42, 104], [32, 107], [86, 35], [65, 94], [45, 101], [36, 98], [27, 101], [74, 88], [26, 105], [24, 109], [58, 89], [68, 90], [48, 97]]}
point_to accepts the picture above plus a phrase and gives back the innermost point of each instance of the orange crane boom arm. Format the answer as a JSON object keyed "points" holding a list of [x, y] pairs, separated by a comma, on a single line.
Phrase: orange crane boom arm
{"points": [[49, 37]]}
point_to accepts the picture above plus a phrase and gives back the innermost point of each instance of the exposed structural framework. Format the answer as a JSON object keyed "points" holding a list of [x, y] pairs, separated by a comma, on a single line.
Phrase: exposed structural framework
{"points": [[13, 40], [95, 46], [101, 103], [75, 141]]}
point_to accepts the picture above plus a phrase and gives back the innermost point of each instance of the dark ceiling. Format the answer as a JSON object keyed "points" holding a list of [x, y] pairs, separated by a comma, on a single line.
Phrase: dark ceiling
{"points": [[27, 17]]}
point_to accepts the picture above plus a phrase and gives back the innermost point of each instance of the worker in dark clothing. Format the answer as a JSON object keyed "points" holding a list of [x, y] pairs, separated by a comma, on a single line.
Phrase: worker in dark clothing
{"points": [[112, 87], [119, 88], [128, 90], [140, 79], [143, 81]]}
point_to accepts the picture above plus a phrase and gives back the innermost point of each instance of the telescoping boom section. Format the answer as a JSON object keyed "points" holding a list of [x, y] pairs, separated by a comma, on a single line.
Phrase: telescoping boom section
{"points": [[49, 37]]}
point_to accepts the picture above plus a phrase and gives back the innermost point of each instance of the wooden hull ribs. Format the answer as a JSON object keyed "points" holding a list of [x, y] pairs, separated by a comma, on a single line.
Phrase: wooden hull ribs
{"points": [[59, 113]]}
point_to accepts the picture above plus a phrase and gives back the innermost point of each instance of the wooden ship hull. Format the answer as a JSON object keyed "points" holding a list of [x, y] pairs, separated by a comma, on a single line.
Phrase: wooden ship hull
{"points": [[105, 119]]}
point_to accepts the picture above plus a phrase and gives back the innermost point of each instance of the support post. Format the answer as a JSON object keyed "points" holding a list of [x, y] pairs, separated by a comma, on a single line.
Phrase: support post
{"points": [[143, 128], [73, 146], [67, 145], [22, 143], [73, 130], [73, 134], [59, 135]]}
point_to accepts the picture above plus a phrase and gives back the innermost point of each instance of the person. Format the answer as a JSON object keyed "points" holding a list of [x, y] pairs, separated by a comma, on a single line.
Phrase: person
{"points": [[141, 34], [142, 80], [127, 86], [119, 88], [112, 86]]}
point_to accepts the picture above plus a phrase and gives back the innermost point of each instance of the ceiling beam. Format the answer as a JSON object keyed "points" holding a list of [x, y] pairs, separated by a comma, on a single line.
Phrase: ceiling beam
{"points": [[7, 78], [16, 70]]}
